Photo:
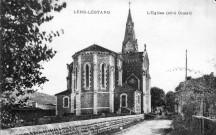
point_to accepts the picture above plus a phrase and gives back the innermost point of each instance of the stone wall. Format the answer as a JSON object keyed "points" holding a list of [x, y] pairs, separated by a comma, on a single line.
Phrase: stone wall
{"points": [[133, 67], [60, 109], [84, 127], [203, 125]]}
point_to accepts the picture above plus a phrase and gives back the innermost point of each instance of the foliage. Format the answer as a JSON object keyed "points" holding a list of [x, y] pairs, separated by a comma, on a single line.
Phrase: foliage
{"points": [[170, 101], [9, 119], [203, 91], [187, 124], [182, 124], [179, 126], [23, 49], [157, 97], [208, 86]]}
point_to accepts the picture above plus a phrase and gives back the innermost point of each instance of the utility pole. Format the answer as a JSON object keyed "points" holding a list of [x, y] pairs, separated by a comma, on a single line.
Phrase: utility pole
{"points": [[186, 67], [185, 78]]}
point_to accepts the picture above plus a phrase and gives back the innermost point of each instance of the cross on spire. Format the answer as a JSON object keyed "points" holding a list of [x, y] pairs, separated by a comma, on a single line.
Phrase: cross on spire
{"points": [[129, 4], [129, 37]]}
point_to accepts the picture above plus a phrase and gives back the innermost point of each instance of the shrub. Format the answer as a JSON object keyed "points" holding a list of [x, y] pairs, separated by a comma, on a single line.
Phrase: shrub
{"points": [[179, 126]]}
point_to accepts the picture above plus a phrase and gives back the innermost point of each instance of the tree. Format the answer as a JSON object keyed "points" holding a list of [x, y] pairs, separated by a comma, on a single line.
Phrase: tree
{"points": [[23, 48], [203, 92], [170, 101], [157, 97], [207, 90]]}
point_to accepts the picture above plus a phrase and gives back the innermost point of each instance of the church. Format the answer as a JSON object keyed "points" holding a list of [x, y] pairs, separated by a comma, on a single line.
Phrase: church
{"points": [[103, 81]]}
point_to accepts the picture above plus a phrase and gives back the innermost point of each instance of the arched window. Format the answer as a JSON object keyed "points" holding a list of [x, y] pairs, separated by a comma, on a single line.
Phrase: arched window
{"points": [[139, 99], [87, 75], [76, 75], [123, 100], [66, 102], [103, 75], [74, 102]]}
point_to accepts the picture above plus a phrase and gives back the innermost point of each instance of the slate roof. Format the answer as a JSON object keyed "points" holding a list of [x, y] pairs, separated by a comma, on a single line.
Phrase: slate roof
{"points": [[66, 92], [95, 47]]}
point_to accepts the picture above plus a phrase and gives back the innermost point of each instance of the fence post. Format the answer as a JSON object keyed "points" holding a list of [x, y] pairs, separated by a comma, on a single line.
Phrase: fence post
{"points": [[203, 128]]}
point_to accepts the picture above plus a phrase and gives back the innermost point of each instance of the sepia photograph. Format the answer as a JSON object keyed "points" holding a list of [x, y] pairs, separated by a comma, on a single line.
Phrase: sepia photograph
{"points": [[117, 67]]}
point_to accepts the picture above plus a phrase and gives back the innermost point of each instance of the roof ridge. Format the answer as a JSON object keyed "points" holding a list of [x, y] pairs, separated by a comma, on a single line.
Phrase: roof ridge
{"points": [[94, 47]]}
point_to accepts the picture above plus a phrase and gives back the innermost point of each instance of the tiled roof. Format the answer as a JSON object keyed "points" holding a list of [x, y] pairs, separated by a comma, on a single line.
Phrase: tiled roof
{"points": [[64, 92], [95, 47]]}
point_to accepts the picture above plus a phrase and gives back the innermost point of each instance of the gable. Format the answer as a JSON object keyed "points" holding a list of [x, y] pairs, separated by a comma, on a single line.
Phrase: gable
{"points": [[95, 47], [133, 81]]}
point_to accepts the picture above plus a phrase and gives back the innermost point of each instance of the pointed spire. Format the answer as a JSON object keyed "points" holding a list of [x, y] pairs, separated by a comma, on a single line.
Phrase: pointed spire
{"points": [[129, 19], [129, 31], [129, 37], [129, 14]]}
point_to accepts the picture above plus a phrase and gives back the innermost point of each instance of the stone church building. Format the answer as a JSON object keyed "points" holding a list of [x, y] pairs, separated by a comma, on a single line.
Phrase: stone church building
{"points": [[103, 81]]}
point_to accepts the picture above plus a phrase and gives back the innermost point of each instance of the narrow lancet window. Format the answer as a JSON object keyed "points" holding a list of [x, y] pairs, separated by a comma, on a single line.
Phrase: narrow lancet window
{"points": [[76, 72], [103, 75], [87, 76], [65, 102]]}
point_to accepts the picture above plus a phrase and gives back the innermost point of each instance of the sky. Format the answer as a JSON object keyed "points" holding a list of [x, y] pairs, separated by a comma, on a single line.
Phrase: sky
{"points": [[167, 37]]}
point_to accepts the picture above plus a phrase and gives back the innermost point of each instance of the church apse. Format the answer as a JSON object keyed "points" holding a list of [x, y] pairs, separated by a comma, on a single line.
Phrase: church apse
{"points": [[102, 81]]}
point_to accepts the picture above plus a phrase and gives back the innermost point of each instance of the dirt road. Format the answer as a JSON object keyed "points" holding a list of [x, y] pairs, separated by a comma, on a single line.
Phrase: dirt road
{"points": [[148, 127]]}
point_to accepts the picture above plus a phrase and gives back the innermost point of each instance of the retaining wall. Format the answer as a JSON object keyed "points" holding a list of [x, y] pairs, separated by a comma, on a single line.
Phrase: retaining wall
{"points": [[84, 127]]}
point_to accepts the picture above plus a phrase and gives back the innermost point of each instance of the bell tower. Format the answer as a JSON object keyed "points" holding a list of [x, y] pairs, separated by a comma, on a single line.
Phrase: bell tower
{"points": [[129, 45]]}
